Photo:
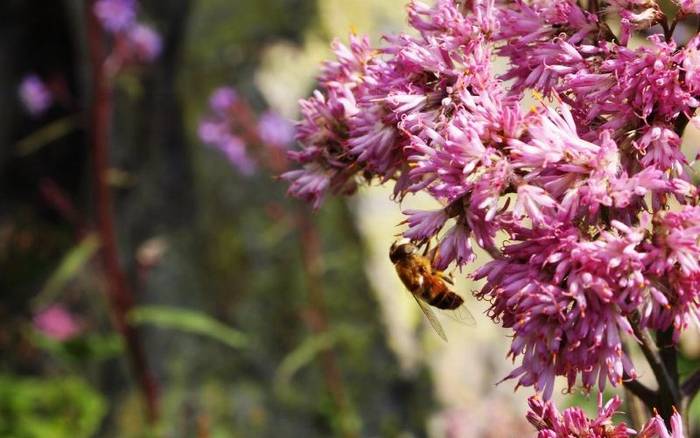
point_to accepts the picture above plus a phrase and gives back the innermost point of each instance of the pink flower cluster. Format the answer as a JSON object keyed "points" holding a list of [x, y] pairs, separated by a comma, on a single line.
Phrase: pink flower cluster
{"points": [[135, 42], [58, 323], [226, 128], [573, 422], [35, 95], [580, 186]]}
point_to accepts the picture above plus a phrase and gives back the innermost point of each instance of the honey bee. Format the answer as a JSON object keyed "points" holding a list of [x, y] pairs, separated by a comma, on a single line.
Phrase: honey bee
{"points": [[427, 285]]}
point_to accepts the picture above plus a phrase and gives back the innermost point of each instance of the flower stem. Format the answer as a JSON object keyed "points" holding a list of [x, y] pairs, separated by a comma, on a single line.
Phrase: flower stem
{"points": [[662, 358], [120, 297], [318, 319], [642, 392]]}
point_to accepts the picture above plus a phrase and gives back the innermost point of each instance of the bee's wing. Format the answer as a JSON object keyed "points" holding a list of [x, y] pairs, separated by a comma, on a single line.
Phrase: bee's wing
{"points": [[462, 315], [432, 319]]}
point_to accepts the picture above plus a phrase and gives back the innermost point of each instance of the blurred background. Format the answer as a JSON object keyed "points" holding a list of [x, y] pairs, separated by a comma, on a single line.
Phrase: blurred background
{"points": [[223, 308]]}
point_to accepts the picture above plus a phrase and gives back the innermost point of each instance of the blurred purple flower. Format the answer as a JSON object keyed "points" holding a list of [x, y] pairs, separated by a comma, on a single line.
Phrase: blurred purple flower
{"points": [[222, 99], [217, 134], [217, 130], [234, 148], [57, 323], [689, 6], [145, 42], [275, 130], [34, 95], [116, 15]]}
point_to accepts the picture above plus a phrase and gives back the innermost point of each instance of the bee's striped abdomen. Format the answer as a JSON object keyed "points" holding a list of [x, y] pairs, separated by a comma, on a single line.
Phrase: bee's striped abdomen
{"points": [[447, 300]]}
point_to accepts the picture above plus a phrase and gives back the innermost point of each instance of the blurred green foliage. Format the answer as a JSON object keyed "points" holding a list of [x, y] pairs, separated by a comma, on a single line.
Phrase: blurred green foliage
{"points": [[65, 407], [188, 321], [81, 350]]}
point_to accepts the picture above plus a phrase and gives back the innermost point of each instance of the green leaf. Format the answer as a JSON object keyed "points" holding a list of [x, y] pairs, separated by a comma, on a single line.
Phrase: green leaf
{"points": [[303, 355], [69, 267], [47, 134], [188, 321]]}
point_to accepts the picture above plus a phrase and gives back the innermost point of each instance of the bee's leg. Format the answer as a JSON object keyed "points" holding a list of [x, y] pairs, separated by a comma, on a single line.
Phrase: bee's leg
{"points": [[434, 255], [427, 248], [447, 278]]}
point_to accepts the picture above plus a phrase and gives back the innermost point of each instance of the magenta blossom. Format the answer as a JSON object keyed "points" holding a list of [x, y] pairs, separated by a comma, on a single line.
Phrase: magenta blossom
{"points": [[689, 6], [35, 95], [275, 130], [573, 422], [144, 43], [222, 100], [116, 15], [584, 200], [656, 428], [57, 323]]}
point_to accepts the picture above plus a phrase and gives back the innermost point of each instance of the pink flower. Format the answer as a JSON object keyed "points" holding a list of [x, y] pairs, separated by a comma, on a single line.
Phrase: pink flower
{"points": [[144, 42], [34, 95], [536, 202], [217, 130], [641, 13], [580, 187], [424, 224], [689, 6], [116, 15], [58, 323], [309, 184], [567, 299], [234, 149], [656, 428], [275, 130], [222, 99], [573, 422], [455, 247]]}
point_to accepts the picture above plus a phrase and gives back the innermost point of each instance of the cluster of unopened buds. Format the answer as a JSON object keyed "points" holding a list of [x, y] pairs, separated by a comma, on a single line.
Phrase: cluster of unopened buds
{"points": [[588, 189]]}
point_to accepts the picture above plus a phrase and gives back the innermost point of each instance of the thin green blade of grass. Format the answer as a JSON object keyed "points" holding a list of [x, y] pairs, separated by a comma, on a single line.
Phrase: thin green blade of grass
{"points": [[70, 265], [46, 135], [302, 356], [190, 322]]}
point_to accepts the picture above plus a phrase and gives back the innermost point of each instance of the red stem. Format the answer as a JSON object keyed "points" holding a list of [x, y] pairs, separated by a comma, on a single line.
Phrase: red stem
{"points": [[120, 297], [318, 319]]}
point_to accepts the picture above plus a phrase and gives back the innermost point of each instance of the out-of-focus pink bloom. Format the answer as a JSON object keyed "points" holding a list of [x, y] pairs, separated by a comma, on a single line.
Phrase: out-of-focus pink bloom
{"points": [[275, 130], [217, 130], [116, 15], [144, 42], [218, 135], [234, 148], [34, 95], [222, 100], [573, 422], [57, 323], [640, 13], [689, 6]]}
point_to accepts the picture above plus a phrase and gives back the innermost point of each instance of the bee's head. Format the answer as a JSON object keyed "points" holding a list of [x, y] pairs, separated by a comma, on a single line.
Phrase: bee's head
{"points": [[400, 250]]}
